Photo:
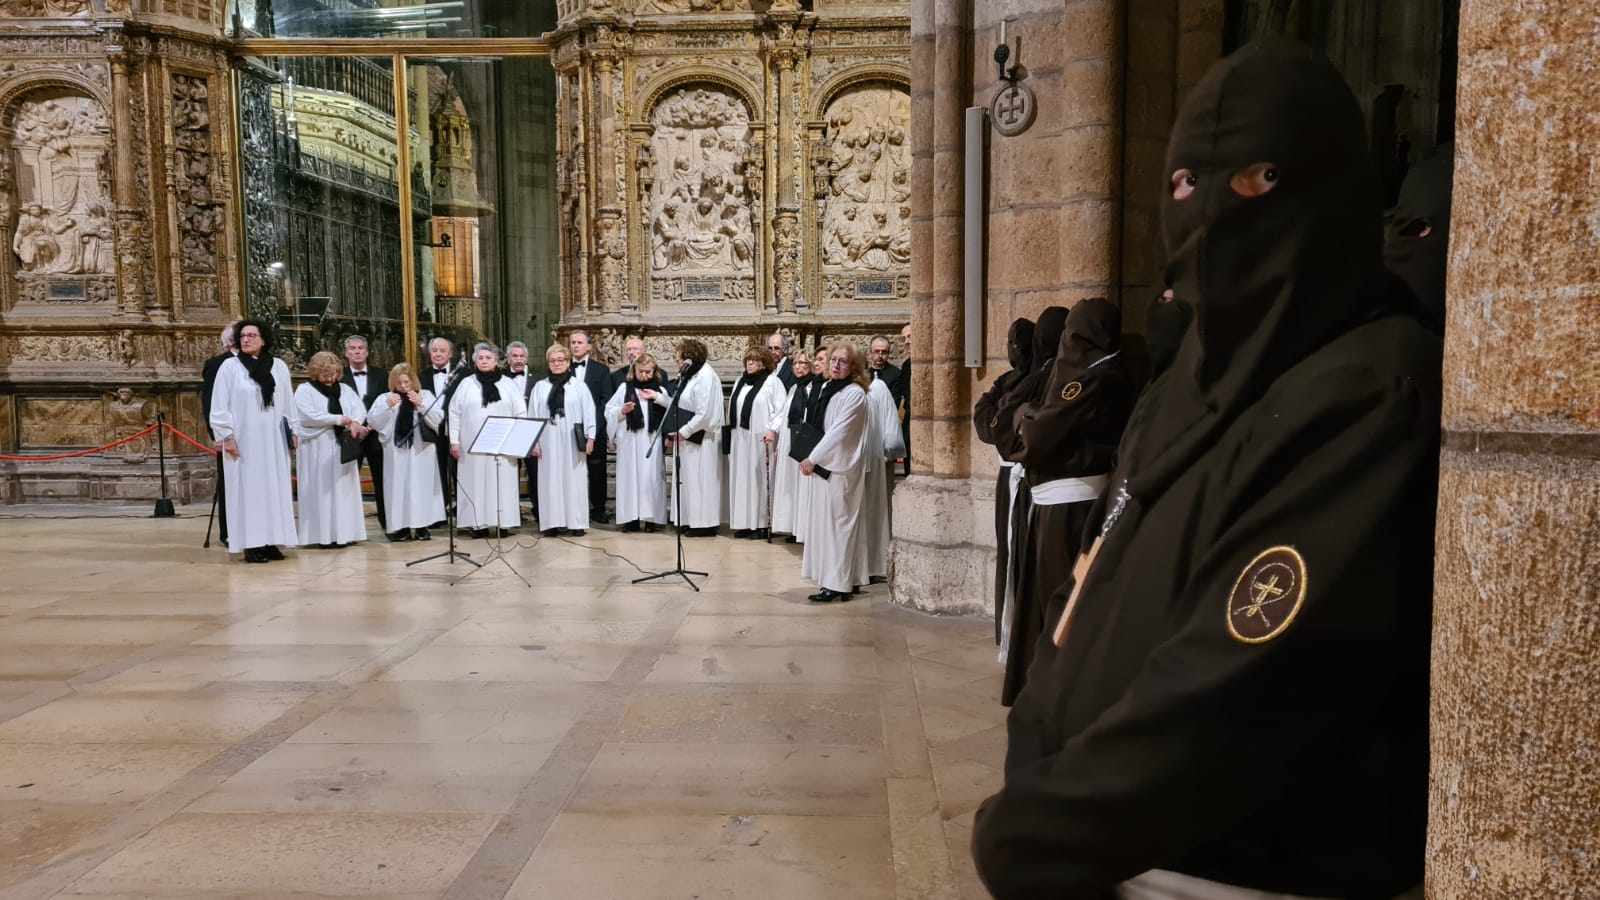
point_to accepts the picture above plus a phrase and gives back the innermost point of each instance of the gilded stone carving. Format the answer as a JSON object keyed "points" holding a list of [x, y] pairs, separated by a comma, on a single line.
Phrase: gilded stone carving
{"points": [[60, 348], [866, 223], [700, 210], [786, 265], [128, 415], [611, 255], [692, 6], [62, 227], [199, 213], [24, 9], [66, 422]]}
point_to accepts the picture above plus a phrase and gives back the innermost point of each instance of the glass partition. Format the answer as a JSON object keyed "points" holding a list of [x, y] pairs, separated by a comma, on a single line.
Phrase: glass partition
{"points": [[379, 19]]}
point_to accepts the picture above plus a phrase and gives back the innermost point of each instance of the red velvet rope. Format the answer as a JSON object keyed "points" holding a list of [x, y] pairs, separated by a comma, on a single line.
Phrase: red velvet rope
{"points": [[131, 437]]}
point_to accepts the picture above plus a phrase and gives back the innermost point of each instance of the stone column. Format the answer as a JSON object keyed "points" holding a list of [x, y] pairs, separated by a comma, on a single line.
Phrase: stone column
{"points": [[1514, 802], [1052, 221], [132, 242]]}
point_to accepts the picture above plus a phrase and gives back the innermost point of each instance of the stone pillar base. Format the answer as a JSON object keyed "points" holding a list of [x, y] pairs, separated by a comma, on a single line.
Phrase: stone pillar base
{"points": [[943, 556]]}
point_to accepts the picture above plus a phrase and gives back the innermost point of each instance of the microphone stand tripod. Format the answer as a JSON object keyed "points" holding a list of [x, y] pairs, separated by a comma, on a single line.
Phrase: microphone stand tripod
{"points": [[677, 494], [450, 553]]}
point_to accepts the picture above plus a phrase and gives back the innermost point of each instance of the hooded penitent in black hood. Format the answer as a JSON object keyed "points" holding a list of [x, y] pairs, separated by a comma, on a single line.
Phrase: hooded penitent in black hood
{"points": [[1416, 247], [1164, 326], [1273, 234], [1019, 346], [1093, 332]]}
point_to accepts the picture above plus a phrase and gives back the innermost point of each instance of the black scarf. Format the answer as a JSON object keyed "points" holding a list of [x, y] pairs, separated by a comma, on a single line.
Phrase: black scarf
{"points": [[814, 400], [489, 385], [405, 422], [557, 406], [260, 369], [829, 390], [637, 418], [741, 416], [330, 391], [691, 371], [800, 401]]}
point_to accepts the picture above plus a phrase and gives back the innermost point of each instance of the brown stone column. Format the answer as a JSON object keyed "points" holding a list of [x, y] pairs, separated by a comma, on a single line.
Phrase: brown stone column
{"points": [[1514, 802]]}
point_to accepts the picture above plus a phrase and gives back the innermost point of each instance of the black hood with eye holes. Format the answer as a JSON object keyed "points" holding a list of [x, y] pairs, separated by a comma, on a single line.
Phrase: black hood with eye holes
{"points": [[1421, 261], [1270, 278], [1019, 346]]}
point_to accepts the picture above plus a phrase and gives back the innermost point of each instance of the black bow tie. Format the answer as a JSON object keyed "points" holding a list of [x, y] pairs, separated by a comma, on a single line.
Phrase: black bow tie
{"points": [[441, 371], [359, 374]]}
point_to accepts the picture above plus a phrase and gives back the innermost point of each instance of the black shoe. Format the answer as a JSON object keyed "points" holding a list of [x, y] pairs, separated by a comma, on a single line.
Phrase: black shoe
{"points": [[272, 552], [827, 596], [505, 532], [480, 533], [576, 532], [877, 579], [683, 530], [630, 527], [399, 537], [743, 533], [710, 531], [791, 539], [762, 534], [551, 532], [256, 555], [422, 534], [651, 528]]}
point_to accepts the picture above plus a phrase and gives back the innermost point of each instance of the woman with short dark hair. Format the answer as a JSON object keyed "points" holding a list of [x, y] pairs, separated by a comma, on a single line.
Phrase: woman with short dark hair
{"points": [[698, 510], [252, 409], [486, 486]]}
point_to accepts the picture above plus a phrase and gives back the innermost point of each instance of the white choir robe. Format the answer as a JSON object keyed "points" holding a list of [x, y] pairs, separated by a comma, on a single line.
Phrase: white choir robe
{"points": [[700, 464], [749, 460], [641, 484], [874, 528], [330, 491], [831, 559], [563, 471], [257, 484], [785, 470], [486, 486], [412, 496]]}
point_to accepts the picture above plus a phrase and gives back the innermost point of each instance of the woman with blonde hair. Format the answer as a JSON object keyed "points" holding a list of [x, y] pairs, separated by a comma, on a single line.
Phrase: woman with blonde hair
{"points": [[411, 492], [563, 463], [635, 417], [837, 466], [331, 514]]}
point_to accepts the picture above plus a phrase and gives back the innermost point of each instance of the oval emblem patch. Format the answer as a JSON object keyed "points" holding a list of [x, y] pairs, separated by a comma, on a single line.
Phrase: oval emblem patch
{"points": [[1071, 391], [1267, 595]]}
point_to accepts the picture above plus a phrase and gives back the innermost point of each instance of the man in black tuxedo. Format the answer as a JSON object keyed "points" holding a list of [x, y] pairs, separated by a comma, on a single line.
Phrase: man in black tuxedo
{"points": [[878, 365], [439, 378], [901, 388], [633, 349], [597, 378], [517, 370], [778, 346], [208, 382], [369, 385]]}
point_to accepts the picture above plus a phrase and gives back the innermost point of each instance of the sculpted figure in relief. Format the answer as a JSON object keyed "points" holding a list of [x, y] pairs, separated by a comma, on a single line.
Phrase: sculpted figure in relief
{"points": [[870, 180], [56, 149], [699, 194]]}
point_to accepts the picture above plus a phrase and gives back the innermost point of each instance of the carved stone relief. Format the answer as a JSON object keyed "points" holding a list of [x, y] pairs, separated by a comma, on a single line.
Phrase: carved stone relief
{"points": [[58, 187], [50, 422], [21, 9], [199, 212], [695, 6], [128, 415], [700, 201], [866, 225]]}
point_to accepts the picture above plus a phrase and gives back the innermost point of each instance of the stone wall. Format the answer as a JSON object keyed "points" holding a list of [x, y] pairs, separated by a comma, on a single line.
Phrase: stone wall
{"points": [[1515, 799], [1072, 205], [118, 268]]}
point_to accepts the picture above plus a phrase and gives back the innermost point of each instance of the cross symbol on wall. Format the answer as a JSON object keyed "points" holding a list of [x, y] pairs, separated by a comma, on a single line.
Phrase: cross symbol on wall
{"points": [[1013, 106]]}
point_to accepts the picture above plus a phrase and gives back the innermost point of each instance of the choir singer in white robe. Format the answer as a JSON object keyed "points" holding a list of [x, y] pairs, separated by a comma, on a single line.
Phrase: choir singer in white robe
{"points": [[635, 416], [808, 486], [486, 486], [757, 398], [786, 476], [411, 491], [252, 410], [563, 468], [697, 502], [331, 514], [831, 560], [884, 446]]}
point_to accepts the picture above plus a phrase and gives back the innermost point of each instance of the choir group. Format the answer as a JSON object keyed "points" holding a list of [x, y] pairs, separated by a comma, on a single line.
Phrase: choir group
{"points": [[801, 446]]}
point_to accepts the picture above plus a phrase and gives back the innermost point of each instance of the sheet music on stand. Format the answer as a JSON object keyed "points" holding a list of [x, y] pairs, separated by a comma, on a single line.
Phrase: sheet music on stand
{"points": [[507, 436]]}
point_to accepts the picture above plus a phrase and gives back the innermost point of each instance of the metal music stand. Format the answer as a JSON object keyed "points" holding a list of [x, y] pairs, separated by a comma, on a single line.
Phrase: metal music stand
{"points": [[670, 423], [503, 437]]}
